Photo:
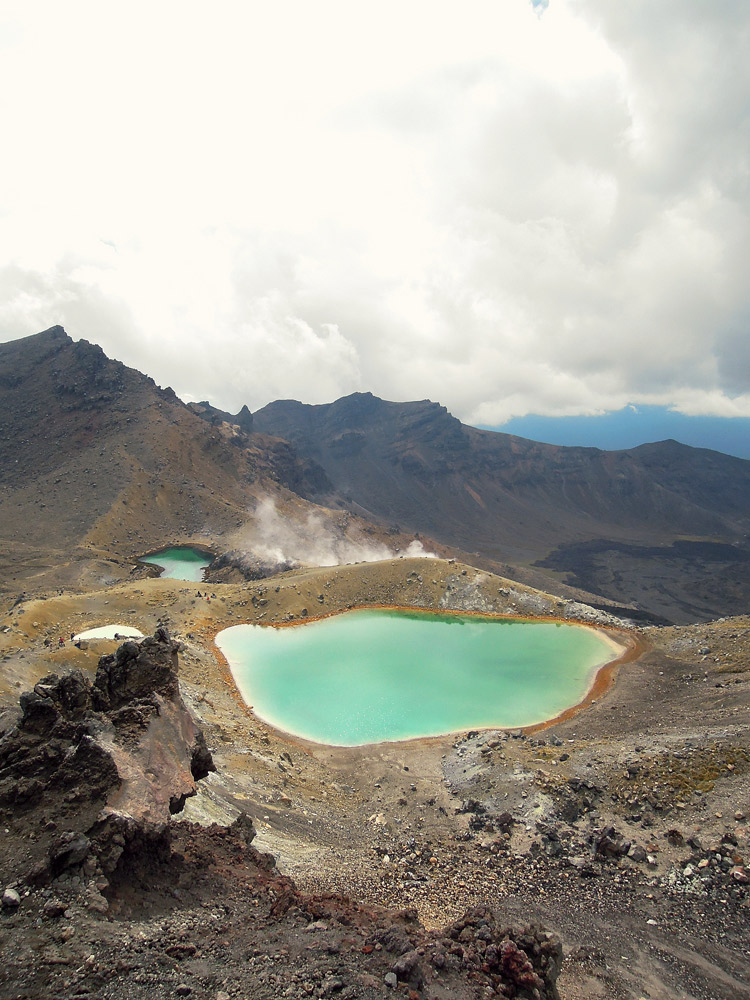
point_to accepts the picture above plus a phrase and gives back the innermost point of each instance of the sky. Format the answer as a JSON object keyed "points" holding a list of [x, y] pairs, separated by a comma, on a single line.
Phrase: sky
{"points": [[509, 207]]}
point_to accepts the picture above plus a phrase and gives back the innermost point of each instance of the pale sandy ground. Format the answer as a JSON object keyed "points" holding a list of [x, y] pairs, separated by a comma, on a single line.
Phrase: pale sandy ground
{"points": [[334, 815]]}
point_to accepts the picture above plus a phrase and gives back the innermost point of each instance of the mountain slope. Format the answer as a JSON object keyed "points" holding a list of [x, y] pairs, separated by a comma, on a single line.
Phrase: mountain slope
{"points": [[507, 498], [91, 445], [99, 465]]}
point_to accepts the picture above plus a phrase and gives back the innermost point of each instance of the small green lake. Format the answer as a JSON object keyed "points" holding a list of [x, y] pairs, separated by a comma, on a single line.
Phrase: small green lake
{"points": [[371, 676], [179, 563]]}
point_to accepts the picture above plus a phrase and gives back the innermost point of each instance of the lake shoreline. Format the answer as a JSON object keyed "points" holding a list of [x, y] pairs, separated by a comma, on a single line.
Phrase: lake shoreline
{"points": [[173, 563], [625, 644]]}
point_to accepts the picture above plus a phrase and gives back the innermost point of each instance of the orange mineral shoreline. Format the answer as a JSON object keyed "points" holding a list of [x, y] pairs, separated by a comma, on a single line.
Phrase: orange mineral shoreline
{"points": [[632, 646]]}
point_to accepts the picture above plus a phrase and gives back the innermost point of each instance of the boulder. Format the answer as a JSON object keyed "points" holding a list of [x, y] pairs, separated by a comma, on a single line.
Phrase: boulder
{"points": [[674, 838], [10, 899], [71, 849], [608, 843], [408, 970]]}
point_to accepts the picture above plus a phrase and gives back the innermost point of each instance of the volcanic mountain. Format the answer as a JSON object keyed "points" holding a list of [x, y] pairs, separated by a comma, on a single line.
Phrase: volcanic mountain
{"points": [[665, 525], [99, 465]]}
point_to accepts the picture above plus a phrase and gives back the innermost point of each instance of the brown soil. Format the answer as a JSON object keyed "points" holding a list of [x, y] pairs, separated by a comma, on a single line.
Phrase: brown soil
{"points": [[660, 747]]}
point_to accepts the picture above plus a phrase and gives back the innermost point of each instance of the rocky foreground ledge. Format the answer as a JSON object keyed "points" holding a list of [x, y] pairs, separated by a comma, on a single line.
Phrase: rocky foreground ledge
{"points": [[90, 773], [105, 897]]}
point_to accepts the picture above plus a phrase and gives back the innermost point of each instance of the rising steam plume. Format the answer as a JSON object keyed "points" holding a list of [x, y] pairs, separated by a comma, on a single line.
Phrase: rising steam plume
{"points": [[281, 542]]}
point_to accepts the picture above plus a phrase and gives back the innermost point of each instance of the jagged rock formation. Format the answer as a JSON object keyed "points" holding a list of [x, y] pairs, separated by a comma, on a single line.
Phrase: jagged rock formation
{"points": [[96, 771], [243, 419], [235, 566]]}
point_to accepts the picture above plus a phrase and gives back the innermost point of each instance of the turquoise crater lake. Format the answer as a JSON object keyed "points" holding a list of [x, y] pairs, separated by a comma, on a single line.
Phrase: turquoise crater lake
{"points": [[179, 563], [371, 676]]}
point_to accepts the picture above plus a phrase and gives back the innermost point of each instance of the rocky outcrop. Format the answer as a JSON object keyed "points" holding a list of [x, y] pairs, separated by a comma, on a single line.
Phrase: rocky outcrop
{"points": [[512, 962], [215, 416], [92, 772], [237, 565], [137, 673]]}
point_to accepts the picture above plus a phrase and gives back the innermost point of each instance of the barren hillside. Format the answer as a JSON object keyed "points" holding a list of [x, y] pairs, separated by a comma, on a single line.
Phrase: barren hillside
{"points": [[99, 465], [570, 512]]}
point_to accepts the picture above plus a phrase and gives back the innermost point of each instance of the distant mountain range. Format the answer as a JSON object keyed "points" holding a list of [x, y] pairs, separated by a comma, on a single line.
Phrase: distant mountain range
{"points": [[634, 425], [95, 458]]}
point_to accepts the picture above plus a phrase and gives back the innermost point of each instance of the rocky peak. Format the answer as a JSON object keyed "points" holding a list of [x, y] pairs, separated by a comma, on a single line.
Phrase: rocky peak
{"points": [[90, 354], [361, 420], [244, 419], [54, 335], [137, 671], [204, 409]]}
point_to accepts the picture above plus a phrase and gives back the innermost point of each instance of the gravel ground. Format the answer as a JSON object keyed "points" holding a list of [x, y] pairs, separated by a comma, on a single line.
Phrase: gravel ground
{"points": [[534, 825]]}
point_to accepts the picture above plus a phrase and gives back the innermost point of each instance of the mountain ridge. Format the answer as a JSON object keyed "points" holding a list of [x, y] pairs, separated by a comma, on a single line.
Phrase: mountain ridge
{"points": [[98, 459], [555, 825], [508, 498]]}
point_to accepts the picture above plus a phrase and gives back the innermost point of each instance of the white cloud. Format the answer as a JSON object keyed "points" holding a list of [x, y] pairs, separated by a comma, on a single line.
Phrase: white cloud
{"points": [[510, 209], [700, 403]]}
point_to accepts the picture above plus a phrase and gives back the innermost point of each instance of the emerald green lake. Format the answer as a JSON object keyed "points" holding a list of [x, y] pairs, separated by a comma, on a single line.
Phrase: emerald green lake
{"points": [[371, 676], [180, 563]]}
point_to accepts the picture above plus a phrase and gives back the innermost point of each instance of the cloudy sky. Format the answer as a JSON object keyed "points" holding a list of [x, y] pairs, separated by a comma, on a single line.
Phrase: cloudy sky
{"points": [[508, 207]]}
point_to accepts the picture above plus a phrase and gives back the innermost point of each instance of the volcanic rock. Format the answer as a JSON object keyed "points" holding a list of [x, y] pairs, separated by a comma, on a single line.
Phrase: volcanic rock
{"points": [[107, 765]]}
